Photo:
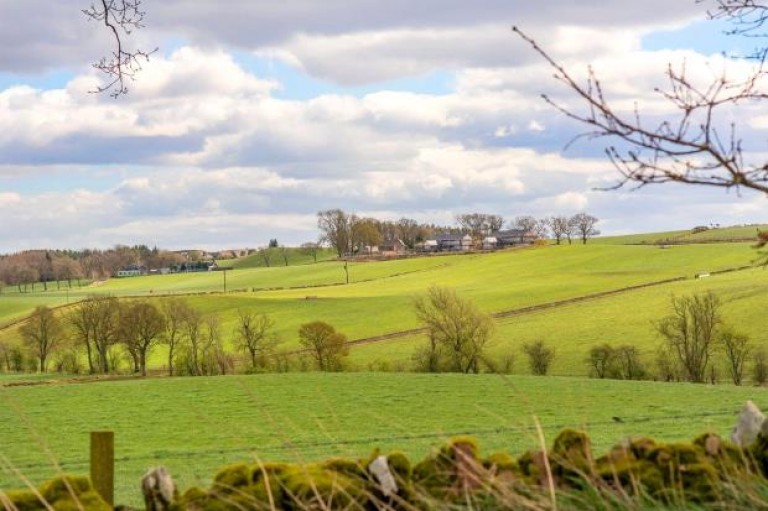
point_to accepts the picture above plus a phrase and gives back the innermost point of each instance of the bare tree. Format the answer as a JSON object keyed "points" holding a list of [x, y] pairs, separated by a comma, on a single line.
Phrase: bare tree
{"points": [[311, 249], [97, 324], [253, 334], [174, 310], [121, 18], [691, 331], [600, 360], [81, 319], [458, 331], [192, 326], [736, 347], [141, 324], [584, 226], [336, 229], [560, 227], [700, 144], [42, 332]]}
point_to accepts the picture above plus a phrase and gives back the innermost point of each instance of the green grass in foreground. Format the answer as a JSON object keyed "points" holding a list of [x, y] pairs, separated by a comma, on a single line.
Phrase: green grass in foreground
{"points": [[194, 426]]}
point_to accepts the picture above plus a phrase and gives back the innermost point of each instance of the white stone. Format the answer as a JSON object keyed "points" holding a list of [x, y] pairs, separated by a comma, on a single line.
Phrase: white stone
{"points": [[749, 425], [380, 470], [158, 489]]}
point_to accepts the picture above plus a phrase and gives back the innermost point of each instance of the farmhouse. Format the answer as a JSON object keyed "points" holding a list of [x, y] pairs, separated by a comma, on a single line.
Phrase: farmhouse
{"points": [[514, 237], [131, 271], [392, 247], [453, 242]]}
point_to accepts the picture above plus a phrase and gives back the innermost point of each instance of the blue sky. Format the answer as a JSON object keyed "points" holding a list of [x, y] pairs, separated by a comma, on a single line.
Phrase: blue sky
{"points": [[249, 120]]}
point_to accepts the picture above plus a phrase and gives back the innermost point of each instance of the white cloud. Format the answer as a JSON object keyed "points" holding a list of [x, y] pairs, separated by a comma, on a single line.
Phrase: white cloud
{"points": [[206, 152]]}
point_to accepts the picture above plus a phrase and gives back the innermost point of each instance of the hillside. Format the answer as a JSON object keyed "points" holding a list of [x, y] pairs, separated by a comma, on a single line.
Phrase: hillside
{"points": [[497, 282]]}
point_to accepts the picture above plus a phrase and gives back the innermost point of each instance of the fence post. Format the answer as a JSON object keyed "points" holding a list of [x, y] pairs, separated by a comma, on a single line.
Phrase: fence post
{"points": [[103, 464]]}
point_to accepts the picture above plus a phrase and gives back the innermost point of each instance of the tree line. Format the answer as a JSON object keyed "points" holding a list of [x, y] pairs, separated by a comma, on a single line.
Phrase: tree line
{"points": [[104, 335], [348, 233], [29, 268]]}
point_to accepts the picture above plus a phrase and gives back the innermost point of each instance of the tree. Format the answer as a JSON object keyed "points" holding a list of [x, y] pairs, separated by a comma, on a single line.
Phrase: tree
{"points": [[121, 17], [174, 310], [627, 364], [336, 229], [700, 144], [458, 332], [365, 234], [96, 321], [525, 224], [560, 227], [736, 347], [600, 360], [540, 357], [691, 331], [42, 332], [254, 334], [479, 225], [326, 345], [81, 318], [266, 255], [311, 249], [584, 226], [142, 325], [192, 326]]}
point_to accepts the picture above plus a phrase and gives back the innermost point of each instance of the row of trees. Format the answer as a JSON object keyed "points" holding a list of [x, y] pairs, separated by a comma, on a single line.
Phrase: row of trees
{"points": [[347, 233], [103, 330], [99, 330], [56, 267], [694, 334]]}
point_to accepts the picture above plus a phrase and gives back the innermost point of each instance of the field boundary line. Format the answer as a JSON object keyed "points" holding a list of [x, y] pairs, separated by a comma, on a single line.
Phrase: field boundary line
{"points": [[530, 309]]}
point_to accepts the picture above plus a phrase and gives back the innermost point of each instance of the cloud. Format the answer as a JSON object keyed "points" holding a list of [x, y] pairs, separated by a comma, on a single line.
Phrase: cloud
{"points": [[207, 152]]}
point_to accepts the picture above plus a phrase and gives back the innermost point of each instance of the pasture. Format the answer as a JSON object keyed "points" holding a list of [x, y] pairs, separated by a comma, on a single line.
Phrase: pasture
{"points": [[195, 425], [379, 298]]}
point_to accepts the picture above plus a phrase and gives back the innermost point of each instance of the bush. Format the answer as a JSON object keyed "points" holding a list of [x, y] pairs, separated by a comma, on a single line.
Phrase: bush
{"points": [[760, 367], [540, 357]]}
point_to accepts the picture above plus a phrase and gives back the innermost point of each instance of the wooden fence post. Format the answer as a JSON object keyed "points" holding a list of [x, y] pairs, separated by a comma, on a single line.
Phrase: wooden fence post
{"points": [[103, 464]]}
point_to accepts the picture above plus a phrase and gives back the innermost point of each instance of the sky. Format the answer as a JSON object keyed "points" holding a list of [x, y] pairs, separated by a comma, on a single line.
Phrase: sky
{"points": [[253, 115]]}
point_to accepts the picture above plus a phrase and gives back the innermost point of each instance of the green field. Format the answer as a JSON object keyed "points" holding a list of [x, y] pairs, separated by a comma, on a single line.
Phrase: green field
{"points": [[379, 298], [195, 425], [720, 234]]}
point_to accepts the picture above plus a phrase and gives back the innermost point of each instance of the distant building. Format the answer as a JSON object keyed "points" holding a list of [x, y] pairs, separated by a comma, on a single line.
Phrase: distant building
{"points": [[392, 247], [514, 237], [131, 271], [446, 242]]}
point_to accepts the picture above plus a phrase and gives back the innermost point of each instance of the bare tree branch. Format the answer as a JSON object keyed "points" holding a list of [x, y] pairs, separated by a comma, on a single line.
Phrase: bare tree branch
{"points": [[121, 17], [687, 147]]}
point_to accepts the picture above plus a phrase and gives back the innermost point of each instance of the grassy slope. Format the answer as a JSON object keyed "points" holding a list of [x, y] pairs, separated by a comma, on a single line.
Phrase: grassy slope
{"points": [[379, 300], [747, 232], [618, 319], [193, 426]]}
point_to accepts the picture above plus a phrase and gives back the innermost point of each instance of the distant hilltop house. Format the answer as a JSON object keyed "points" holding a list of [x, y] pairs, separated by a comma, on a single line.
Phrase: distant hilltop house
{"points": [[511, 237], [131, 270], [462, 242], [447, 242], [392, 247]]}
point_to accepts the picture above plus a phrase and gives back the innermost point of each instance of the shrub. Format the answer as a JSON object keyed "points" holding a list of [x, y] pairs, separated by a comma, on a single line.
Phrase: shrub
{"points": [[540, 357], [760, 367]]}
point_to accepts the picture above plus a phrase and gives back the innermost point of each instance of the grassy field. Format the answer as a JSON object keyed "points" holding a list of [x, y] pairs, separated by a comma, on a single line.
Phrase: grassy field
{"points": [[625, 318], [720, 234], [380, 296], [193, 426]]}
